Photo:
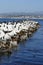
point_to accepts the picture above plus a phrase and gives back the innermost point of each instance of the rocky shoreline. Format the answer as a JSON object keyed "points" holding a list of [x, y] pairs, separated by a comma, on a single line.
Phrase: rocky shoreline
{"points": [[11, 33]]}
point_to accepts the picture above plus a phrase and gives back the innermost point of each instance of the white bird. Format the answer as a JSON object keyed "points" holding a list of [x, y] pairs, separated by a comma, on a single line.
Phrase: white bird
{"points": [[1, 33], [7, 37], [12, 33], [10, 27]]}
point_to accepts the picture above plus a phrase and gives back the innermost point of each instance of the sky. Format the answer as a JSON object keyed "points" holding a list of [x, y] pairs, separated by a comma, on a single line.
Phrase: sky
{"points": [[7, 6]]}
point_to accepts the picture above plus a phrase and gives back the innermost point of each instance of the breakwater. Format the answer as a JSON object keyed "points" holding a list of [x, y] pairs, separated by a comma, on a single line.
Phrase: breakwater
{"points": [[11, 33]]}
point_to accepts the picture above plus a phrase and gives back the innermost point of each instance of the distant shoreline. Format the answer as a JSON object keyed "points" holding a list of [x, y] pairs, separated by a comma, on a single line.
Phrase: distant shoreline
{"points": [[22, 17]]}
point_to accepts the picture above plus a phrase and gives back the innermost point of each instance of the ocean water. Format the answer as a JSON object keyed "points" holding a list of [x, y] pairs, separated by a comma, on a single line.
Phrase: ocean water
{"points": [[29, 52]]}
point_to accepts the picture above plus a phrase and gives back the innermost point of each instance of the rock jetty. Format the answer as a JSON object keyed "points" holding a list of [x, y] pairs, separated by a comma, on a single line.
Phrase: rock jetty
{"points": [[11, 33]]}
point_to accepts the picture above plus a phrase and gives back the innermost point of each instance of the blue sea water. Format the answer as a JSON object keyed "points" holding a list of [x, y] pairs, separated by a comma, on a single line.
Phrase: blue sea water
{"points": [[29, 52]]}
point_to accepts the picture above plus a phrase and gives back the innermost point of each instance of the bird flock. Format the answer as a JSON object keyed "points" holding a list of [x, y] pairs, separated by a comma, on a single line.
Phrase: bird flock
{"points": [[12, 33]]}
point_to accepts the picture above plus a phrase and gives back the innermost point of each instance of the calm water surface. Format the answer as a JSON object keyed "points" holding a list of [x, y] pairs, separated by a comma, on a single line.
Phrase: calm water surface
{"points": [[29, 52]]}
